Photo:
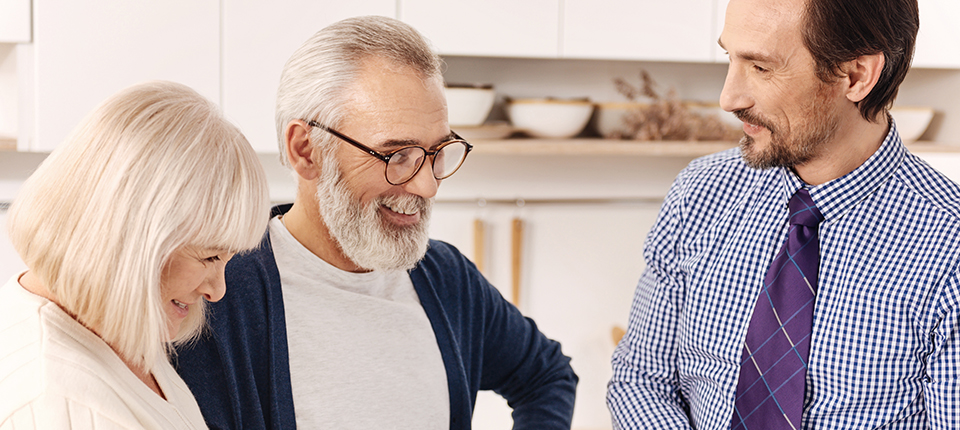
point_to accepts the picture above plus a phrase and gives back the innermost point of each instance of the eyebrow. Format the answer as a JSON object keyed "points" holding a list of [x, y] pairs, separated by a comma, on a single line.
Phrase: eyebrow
{"points": [[400, 143], [750, 55]]}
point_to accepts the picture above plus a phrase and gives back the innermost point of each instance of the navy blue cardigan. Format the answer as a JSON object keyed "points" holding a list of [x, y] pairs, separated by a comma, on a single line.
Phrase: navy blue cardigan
{"points": [[239, 371]]}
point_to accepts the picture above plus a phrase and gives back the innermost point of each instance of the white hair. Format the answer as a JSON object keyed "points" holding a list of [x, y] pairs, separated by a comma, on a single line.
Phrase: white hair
{"points": [[316, 76], [154, 168], [359, 229]]}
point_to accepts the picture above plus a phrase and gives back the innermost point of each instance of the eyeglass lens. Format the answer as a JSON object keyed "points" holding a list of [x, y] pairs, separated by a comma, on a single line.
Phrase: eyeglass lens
{"points": [[404, 164]]}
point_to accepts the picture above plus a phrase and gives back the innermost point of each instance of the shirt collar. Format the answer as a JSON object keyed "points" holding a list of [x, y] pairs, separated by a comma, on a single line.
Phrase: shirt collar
{"points": [[834, 198]]}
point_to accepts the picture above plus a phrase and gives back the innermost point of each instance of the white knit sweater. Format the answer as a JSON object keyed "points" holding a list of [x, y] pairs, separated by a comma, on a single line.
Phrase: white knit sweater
{"points": [[56, 374]]}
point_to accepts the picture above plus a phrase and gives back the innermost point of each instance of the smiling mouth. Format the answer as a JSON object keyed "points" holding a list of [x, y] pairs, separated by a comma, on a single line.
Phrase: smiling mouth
{"points": [[180, 304], [402, 211]]}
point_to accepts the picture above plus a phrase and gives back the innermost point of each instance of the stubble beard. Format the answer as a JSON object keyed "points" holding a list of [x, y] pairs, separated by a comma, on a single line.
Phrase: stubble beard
{"points": [[792, 147], [364, 237]]}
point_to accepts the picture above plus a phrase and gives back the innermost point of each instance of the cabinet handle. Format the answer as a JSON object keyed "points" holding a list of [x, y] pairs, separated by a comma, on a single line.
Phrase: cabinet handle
{"points": [[517, 246], [479, 247], [617, 333]]}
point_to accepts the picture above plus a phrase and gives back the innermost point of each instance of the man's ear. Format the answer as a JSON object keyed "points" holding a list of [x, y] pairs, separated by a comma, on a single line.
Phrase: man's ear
{"points": [[862, 74], [299, 150]]}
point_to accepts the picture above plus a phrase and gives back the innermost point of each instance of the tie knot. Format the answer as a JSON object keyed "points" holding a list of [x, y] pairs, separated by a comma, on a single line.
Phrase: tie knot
{"points": [[803, 210]]}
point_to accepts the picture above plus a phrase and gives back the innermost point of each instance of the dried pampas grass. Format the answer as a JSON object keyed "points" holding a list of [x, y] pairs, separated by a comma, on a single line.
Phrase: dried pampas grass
{"points": [[666, 118]]}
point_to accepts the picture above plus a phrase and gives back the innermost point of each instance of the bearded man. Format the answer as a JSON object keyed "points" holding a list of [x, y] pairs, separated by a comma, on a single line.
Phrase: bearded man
{"points": [[348, 316], [809, 279]]}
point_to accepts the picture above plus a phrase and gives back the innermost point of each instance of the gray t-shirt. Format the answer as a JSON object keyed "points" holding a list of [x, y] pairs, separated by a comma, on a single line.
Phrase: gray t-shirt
{"points": [[363, 354]]}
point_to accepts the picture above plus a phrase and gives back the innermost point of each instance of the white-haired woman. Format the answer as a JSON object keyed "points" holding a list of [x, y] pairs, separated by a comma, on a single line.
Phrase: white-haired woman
{"points": [[125, 229]]}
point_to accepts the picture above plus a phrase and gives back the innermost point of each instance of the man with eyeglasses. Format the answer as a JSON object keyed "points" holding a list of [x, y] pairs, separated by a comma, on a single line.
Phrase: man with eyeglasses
{"points": [[375, 326]]}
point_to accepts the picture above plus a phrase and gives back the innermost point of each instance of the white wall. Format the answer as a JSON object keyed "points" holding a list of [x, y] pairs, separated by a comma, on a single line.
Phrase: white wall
{"points": [[580, 261]]}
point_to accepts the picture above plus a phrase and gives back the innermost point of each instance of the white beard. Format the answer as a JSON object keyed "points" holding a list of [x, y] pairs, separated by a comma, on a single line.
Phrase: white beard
{"points": [[360, 230]]}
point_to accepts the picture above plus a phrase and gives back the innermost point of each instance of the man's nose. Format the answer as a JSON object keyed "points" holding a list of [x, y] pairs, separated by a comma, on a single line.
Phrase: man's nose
{"points": [[423, 184], [734, 95]]}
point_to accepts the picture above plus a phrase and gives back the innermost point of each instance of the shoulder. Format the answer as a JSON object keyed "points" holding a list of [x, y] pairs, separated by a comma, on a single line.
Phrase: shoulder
{"points": [[58, 376], [20, 349], [443, 252], [445, 261], [249, 277], [929, 185], [722, 170], [451, 276], [253, 261], [715, 184]]}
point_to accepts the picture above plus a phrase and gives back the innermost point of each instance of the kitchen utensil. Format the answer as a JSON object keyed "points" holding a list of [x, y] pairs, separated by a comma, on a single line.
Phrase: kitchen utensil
{"points": [[516, 239], [479, 244], [616, 333]]}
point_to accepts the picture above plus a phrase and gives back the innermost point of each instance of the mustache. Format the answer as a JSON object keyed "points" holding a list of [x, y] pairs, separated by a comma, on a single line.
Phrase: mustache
{"points": [[752, 118], [408, 202]]}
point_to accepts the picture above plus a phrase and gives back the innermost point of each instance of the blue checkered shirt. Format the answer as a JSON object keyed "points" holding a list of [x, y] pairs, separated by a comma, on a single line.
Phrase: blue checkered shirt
{"points": [[884, 349]]}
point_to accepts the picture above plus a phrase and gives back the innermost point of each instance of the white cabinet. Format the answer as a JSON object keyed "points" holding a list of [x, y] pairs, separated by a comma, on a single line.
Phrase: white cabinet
{"points": [[650, 30], [580, 263], [83, 52], [579, 267], [258, 38], [584, 218], [495, 28], [720, 13], [14, 21], [938, 42]]}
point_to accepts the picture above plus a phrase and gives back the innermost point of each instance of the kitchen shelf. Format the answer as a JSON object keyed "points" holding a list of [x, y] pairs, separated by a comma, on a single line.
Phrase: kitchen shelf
{"points": [[598, 146]]}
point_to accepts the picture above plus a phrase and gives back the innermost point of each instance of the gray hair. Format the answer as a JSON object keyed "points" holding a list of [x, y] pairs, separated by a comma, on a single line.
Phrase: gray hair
{"points": [[152, 169], [315, 78]]}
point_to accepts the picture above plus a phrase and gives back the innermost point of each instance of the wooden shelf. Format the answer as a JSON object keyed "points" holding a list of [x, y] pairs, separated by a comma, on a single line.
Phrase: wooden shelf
{"points": [[8, 144], [641, 148]]}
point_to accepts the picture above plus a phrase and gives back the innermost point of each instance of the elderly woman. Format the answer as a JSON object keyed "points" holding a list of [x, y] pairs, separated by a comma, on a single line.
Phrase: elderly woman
{"points": [[125, 230]]}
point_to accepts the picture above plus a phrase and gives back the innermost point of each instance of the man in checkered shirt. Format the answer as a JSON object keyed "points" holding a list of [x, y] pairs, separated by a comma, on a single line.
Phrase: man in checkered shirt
{"points": [[812, 81]]}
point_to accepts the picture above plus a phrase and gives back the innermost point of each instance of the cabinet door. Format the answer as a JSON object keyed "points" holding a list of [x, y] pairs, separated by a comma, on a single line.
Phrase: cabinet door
{"points": [[938, 42], [258, 38], [83, 52], [651, 30], [494, 28], [579, 267], [14, 21], [720, 13]]}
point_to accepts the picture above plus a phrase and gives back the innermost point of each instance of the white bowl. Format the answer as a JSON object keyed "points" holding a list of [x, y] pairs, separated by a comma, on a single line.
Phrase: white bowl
{"points": [[469, 105], [911, 121], [488, 131], [551, 118], [609, 118]]}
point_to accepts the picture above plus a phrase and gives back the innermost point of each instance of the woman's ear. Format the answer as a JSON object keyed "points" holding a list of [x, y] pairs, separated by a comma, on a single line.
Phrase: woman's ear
{"points": [[299, 150], [862, 74]]}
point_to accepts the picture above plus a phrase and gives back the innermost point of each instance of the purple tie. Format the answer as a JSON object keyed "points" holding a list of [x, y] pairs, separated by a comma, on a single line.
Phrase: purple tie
{"points": [[774, 362]]}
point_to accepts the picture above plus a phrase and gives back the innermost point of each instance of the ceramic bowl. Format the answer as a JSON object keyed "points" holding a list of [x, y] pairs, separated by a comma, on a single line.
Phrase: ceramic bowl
{"points": [[550, 118], [469, 105], [487, 131], [608, 119], [911, 121]]}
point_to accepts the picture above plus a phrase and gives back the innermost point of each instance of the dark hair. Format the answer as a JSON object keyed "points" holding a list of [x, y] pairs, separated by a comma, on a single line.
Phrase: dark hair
{"points": [[837, 31]]}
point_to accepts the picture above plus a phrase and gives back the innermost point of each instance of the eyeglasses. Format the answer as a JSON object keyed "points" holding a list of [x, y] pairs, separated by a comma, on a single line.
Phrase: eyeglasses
{"points": [[404, 163]]}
